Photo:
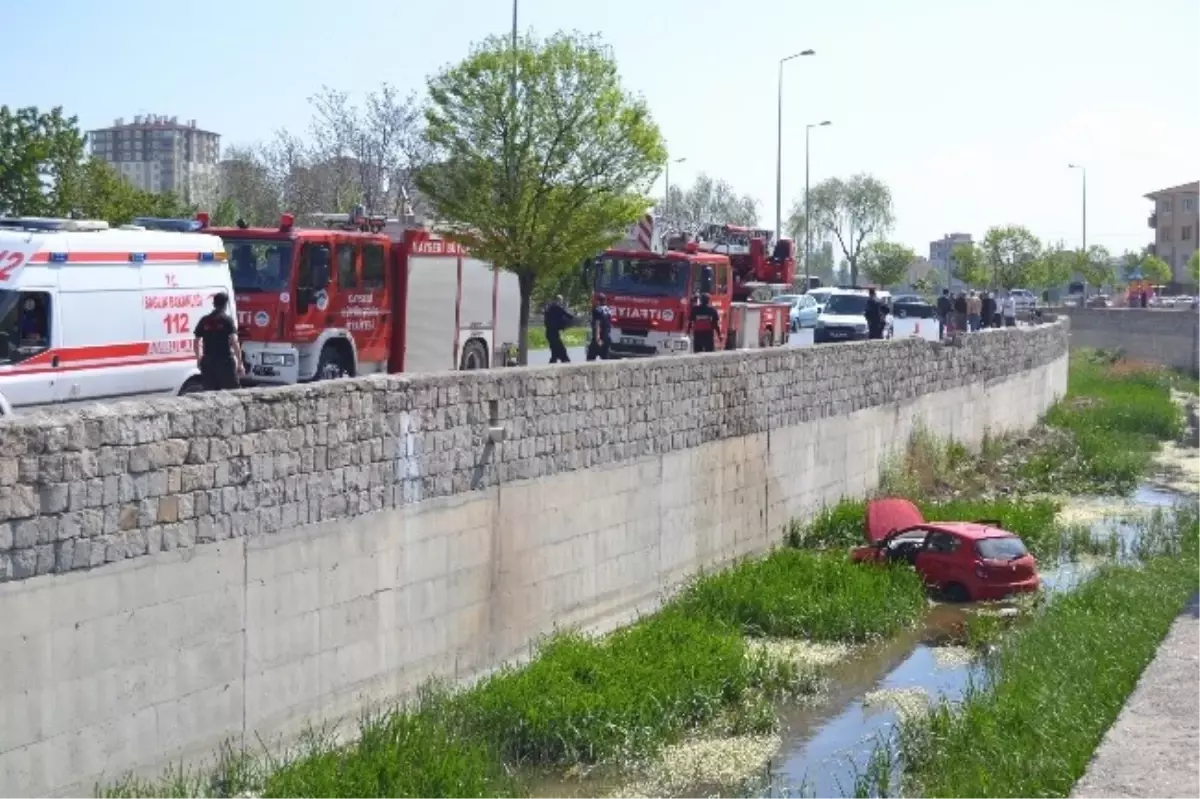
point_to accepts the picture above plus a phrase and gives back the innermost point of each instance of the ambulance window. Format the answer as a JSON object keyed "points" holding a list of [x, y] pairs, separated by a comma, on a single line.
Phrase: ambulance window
{"points": [[372, 266], [347, 274], [722, 279], [24, 324]]}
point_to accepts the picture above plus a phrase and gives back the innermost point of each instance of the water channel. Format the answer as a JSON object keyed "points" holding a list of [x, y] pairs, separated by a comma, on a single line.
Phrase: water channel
{"points": [[825, 745]]}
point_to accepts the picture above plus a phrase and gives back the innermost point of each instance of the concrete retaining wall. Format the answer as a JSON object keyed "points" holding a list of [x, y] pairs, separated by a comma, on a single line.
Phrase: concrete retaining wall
{"points": [[1171, 338], [184, 571]]}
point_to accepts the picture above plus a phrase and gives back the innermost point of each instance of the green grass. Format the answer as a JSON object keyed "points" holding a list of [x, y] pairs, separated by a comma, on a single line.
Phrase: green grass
{"points": [[599, 700], [1109, 427], [572, 337], [398, 754], [842, 525], [1057, 683], [821, 596]]}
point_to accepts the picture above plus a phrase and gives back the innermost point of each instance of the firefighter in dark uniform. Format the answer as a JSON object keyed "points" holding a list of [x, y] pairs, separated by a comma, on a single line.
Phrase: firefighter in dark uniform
{"points": [[704, 325], [218, 351], [601, 338]]}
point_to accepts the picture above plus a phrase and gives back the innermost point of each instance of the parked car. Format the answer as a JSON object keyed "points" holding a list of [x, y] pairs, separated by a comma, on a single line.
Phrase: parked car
{"points": [[1099, 301], [821, 296], [1025, 299], [905, 305], [803, 312], [960, 561]]}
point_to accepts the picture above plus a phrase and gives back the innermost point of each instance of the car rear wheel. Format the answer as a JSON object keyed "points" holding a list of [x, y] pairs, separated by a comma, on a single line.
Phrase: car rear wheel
{"points": [[956, 592]]}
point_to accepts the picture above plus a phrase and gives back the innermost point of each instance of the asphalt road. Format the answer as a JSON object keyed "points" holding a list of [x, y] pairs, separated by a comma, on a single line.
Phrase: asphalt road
{"points": [[901, 328]]}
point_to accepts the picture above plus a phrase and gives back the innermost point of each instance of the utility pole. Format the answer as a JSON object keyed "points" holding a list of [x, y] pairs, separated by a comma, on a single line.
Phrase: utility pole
{"points": [[779, 146], [667, 188], [807, 209], [1083, 252]]}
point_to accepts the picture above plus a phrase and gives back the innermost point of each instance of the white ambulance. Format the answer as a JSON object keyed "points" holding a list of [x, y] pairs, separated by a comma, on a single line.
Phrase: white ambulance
{"points": [[89, 312]]}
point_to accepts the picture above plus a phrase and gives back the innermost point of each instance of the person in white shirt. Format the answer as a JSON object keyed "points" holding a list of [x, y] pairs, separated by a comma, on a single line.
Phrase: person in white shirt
{"points": [[1008, 307]]}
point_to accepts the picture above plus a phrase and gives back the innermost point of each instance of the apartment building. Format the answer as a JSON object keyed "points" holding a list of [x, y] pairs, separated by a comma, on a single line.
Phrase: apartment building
{"points": [[158, 153], [941, 256], [1176, 223]]}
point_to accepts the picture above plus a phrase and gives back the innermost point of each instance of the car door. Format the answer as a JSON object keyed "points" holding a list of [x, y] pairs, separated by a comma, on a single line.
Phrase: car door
{"points": [[808, 311], [938, 560]]}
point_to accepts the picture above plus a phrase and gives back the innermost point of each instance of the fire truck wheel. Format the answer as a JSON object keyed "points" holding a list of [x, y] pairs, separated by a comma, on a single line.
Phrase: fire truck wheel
{"points": [[332, 364], [474, 356]]}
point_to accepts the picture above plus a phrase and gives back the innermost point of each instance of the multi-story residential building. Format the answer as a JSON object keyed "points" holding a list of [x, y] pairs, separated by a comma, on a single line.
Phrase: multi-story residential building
{"points": [[1176, 223], [158, 153], [941, 257]]}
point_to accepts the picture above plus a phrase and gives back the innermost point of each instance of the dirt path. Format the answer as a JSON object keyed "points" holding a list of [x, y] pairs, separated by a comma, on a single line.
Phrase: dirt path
{"points": [[1153, 748]]}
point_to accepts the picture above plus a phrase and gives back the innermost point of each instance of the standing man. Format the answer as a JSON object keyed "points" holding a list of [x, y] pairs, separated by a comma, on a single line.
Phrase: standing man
{"points": [[874, 313], [218, 351], [704, 325], [601, 337], [960, 312], [556, 319], [1008, 307], [989, 312], [974, 308], [944, 306]]}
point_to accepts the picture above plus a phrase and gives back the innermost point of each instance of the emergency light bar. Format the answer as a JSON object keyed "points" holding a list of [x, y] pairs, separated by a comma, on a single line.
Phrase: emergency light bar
{"points": [[173, 225], [50, 224]]}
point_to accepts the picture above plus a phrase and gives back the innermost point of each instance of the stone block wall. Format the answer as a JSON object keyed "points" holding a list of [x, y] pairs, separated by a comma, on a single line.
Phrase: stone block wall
{"points": [[182, 571]]}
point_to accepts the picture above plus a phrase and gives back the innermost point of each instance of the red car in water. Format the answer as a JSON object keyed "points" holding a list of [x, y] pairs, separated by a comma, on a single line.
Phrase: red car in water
{"points": [[961, 561]]}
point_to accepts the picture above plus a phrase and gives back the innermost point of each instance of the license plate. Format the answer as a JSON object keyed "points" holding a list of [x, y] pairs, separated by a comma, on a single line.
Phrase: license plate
{"points": [[836, 334], [630, 341], [263, 371]]}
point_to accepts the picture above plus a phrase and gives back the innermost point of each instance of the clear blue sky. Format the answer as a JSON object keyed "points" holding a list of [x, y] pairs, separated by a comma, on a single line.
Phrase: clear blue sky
{"points": [[969, 109]]}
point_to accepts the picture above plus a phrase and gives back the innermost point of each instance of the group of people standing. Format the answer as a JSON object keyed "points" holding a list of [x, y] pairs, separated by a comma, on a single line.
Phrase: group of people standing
{"points": [[704, 326], [968, 311]]}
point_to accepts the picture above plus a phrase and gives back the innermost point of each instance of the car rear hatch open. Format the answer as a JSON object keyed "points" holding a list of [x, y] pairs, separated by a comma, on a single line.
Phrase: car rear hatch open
{"points": [[887, 516]]}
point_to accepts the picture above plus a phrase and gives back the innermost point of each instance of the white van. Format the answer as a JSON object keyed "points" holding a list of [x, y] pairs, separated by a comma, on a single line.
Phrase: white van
{"points": [[88, 312]]}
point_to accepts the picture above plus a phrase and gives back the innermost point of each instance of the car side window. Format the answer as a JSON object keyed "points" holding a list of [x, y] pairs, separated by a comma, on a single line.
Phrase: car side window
{"points": [[943, 543], [24, 324]]}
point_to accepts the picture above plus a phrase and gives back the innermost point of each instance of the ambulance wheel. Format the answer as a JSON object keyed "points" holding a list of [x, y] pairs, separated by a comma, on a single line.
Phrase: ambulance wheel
{"points": [[474, 356], [193, 385], [332, 364]]}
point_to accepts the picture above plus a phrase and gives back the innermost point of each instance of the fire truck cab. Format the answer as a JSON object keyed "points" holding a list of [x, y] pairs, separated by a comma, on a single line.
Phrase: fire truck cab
{"points": [[651, 295], [362, 295]]}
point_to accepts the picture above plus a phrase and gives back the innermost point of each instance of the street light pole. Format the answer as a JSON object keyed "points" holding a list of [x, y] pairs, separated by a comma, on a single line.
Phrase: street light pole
{"points": [[779, 146], [807, 210], [1083, 250]]}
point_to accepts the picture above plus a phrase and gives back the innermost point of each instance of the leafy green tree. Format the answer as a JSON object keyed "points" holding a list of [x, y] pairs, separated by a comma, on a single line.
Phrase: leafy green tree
{"points": [[43, 172], [1008, 254], [967, 264], [39, 156], [1155, 269], [848, 212], [1096, 266], [885, 263], [1052, 268], [1193, 265], [923, 285], [538, 183]]}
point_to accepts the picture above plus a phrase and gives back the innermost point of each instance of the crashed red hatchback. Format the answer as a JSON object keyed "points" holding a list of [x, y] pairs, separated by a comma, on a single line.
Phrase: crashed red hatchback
{"points": [[961, 561]]}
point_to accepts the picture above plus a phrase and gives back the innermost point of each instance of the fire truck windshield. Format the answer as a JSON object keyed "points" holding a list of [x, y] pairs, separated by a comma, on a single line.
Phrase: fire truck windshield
{"points": [[658, 277], [258, 265]]}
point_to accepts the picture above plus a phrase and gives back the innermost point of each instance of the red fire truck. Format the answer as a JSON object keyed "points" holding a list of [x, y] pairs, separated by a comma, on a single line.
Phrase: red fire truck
{"points": [[363, 295], [651, 295]]}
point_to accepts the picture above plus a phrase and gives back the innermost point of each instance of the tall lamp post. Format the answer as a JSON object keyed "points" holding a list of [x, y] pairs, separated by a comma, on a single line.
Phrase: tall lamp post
{"points": [[779, 146], [667, 188], [807, 213], [1083, 250]]}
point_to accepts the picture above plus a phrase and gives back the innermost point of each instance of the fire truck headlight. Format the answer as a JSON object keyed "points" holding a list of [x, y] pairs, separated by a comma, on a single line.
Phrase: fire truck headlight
{"points": [[277, 359]]}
